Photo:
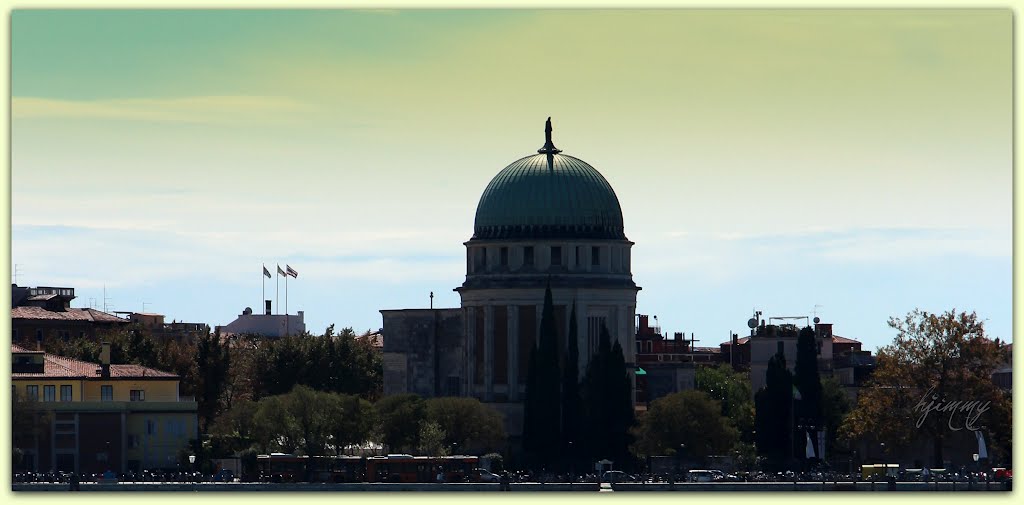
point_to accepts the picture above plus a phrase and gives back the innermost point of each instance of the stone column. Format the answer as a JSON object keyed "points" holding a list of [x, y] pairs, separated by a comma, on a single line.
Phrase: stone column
{"points": [[513, 352], [582, 338], [488, 352], [124, 441], [470, 321], [626, 340]]}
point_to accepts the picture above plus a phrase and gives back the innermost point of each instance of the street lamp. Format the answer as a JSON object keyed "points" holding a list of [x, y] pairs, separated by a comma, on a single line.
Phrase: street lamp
{"points": [[192, 464], [572, 464]]}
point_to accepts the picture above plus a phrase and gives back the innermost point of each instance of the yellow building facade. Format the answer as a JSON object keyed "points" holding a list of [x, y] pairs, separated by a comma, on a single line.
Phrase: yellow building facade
{"points": [[92, 417]]}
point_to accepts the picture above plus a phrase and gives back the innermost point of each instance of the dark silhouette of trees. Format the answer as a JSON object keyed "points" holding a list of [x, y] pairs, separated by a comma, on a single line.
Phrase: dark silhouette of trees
{"points": [[607, 402], [808, 383], [773, 414], [212, 364], [542, 437], [572, 404]]}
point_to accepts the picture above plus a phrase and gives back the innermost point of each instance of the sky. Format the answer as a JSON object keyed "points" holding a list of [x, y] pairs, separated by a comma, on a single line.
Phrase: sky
{"points": [[849, 164]]}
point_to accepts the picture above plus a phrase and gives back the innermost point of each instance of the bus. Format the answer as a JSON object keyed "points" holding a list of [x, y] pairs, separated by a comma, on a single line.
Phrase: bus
{"points": [[279, 467], [879, 471], [409, 468]]}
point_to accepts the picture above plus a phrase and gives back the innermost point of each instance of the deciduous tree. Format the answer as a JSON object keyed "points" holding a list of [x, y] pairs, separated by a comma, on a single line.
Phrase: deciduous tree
{"points": [[399, 419], [690, 419], [934, 361]]}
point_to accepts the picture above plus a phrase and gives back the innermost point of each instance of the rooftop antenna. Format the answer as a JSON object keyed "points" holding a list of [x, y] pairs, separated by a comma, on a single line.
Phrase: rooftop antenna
{"points": [[105, 299], [144, 306], [431, 300], [816, 312], [17, 272]]}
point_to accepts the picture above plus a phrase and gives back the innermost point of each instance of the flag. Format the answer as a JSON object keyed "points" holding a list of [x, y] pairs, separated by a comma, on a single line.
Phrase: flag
{"points": [[281, 272], [809, 452], [266, 272], [291, 271], [796, 393], [982, 450]]}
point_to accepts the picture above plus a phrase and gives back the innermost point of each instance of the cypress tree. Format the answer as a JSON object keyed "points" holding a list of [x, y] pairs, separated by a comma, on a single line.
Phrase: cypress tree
{"points": [[808, 382], [571, 403], [621, 405], [542, 412], [772, 413], [608, 403]]}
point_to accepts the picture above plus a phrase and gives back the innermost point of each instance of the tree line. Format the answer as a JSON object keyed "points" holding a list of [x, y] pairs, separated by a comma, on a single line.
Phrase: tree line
{"points": [[566, 420], [316, 394]]}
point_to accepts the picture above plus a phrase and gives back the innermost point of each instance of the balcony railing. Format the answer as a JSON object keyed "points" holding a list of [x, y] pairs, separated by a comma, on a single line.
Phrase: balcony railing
{"points": [[148, 399]]}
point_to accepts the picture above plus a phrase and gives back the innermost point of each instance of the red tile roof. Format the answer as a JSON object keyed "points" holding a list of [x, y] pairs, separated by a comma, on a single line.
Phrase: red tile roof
{"points": [[18, 348], [59, 366], [92, 315]]}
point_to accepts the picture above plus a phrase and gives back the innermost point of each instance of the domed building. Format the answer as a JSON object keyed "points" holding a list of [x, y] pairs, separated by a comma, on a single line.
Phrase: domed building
{"points": [[545, 219]]}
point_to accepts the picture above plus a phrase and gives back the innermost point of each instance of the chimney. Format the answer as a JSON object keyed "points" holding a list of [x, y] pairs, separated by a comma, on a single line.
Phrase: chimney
{"points": [[267, 303], [105, 359]]}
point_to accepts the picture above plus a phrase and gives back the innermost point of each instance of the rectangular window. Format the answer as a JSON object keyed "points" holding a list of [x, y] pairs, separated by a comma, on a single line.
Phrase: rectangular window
{"points": [[454, 384], [595, 256], [577, 262], [107, 393], [49, 393], [556, 256], [65, 393], [39, 334], [504, 256], [483, 257], [528, 255], [150, 427], [32, 393], [137, 395]]}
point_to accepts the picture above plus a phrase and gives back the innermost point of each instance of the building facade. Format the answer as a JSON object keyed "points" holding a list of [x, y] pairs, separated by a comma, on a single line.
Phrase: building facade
{"points": [[546, 219], [266, 324], [43, 313], [89, 417]]}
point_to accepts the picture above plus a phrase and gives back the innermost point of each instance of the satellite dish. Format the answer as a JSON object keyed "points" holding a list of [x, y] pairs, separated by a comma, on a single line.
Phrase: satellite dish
{"points": [[247, 311], [817, 319], [752, 323]]}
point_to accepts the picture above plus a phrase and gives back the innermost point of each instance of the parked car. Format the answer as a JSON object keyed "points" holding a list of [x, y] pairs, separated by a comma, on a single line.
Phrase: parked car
{"points": [[486, 476], [224, 475], [614, 476], [704, 475]]}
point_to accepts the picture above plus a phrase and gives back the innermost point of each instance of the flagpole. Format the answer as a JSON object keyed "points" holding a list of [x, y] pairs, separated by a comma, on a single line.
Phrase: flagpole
{"points": [[263, 277], [286, 321], [277, 302]]}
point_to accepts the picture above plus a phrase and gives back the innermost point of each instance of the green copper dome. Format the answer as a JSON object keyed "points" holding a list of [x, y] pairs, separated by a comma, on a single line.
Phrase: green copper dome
{"points": [[548, 195]]}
